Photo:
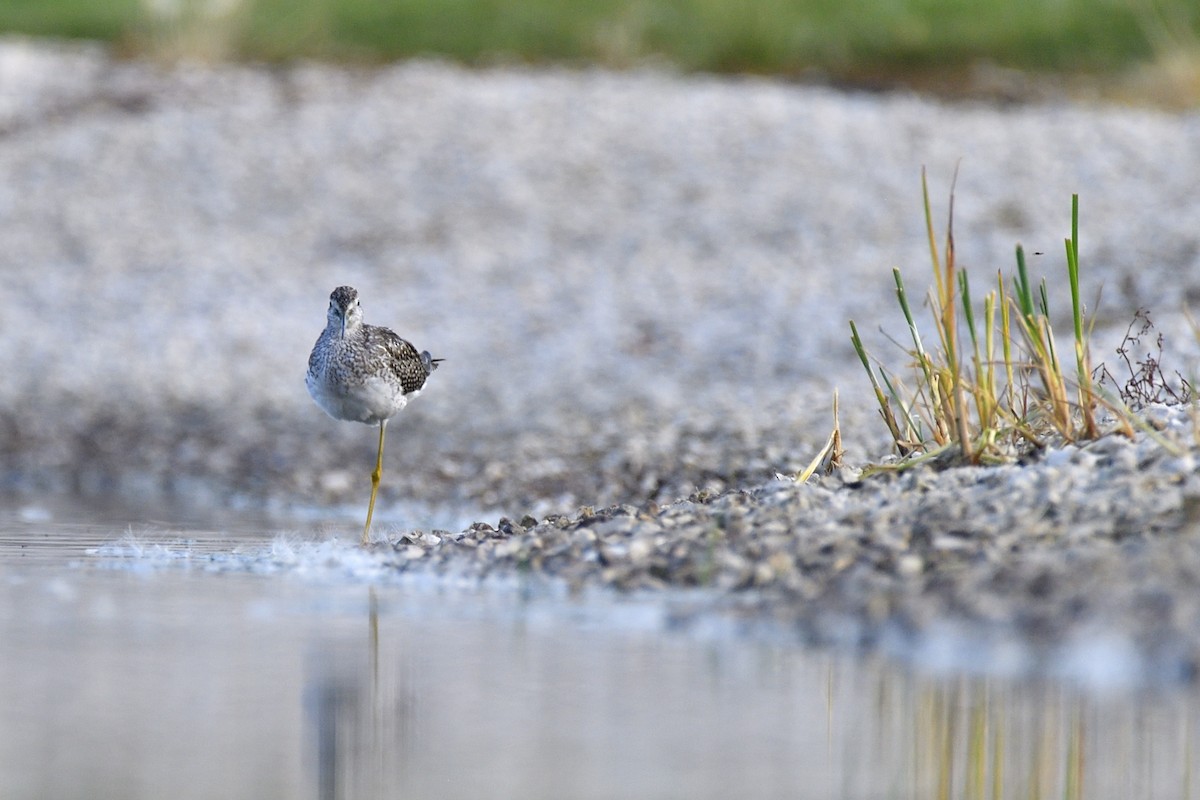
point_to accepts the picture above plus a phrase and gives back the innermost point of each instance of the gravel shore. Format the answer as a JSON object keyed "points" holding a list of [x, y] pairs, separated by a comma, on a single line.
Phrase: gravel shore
{"points": [[1086, 555], [640, 283]]}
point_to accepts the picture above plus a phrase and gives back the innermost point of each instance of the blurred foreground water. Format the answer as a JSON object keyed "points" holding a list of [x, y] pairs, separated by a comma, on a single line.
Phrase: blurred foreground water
{"points": [[205, 663]]}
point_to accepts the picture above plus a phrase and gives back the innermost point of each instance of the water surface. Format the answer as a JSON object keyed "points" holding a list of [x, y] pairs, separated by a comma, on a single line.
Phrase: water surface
{"points": [[152, 660]]}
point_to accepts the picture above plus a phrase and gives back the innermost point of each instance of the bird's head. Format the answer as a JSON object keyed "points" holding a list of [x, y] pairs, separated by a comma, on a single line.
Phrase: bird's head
{"points": [[345, 312]]}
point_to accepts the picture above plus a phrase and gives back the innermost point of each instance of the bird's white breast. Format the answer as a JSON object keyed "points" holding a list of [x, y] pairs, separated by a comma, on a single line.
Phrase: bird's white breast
{"points": [[375, 400]]}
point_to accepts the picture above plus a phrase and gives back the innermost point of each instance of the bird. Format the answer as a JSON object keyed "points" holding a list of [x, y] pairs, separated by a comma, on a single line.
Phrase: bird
{"points": [[364, 373]]}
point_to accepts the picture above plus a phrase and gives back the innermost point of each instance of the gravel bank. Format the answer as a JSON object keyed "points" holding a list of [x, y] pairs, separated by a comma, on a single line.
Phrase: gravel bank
{"points": [[640, 283], [1089, 555]]}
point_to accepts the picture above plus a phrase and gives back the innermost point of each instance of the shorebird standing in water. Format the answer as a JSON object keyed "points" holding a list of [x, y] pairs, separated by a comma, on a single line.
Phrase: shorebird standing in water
{"points": [[364, 373]]}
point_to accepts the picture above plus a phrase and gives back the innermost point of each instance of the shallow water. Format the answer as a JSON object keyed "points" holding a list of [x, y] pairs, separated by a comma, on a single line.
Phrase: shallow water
{"points": [[153, 660]]}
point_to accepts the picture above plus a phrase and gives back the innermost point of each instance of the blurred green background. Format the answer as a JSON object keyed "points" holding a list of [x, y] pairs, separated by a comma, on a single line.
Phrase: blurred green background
{"points": [[854, 40]]}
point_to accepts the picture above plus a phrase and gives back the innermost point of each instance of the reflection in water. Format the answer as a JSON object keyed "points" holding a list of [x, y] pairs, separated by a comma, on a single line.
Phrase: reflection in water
{"points": [[552, 720], [132, 683], [359, 728]]}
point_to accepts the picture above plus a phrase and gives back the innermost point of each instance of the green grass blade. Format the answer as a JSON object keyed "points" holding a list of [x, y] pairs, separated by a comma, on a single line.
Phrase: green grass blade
{"points": [[1082, 367], [884, 407], [1047, 333], [1024, 295], [856, 340], [1073, 279], [964, 289], [923, 360], [902, 298]]}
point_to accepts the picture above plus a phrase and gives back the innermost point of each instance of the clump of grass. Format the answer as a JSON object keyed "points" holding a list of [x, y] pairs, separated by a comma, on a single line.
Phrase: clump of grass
{"points": [[991, 383]]}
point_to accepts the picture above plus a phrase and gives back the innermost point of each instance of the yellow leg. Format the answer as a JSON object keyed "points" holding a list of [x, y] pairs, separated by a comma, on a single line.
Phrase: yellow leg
{"points": [[375, 478]]}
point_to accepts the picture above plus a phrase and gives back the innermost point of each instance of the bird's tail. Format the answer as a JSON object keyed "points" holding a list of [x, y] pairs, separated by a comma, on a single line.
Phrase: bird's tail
{"points": [[429, 362]]}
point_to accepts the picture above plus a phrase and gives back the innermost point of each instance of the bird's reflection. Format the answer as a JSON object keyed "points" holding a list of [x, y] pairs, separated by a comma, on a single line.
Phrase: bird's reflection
{"points": [[359, 715]]}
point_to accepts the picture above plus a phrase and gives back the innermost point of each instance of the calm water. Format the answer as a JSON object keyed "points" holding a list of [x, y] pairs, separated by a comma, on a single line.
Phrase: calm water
{"points": [[148, 661]]}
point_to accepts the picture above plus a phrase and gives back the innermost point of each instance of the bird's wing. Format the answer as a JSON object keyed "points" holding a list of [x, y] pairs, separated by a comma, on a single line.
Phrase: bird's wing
{"points": [[402, 358]]}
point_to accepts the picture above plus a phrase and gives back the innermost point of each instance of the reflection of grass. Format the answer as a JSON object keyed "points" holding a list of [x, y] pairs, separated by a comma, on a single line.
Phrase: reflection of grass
{"points": [[960, 733], [847, 37]]}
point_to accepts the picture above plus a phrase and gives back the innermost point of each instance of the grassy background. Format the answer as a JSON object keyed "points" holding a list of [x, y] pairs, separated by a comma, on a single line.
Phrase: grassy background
{"points": [[845, 38]]}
